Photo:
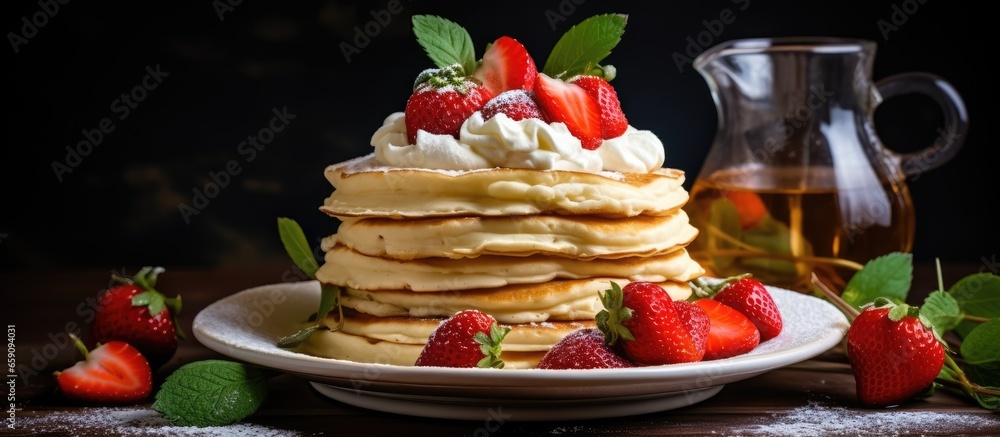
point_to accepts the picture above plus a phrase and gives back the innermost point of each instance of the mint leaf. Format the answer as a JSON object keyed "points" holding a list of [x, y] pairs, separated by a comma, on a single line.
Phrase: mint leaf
{"points": [[445, 42], [329, 295], [297, 246], [585, 45], [212, 393], [886, 276], [942, 311], [724, 230], [978, 295], [294, 340]]}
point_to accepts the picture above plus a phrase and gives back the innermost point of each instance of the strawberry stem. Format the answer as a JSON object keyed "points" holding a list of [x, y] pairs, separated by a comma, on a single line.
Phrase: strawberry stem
{"points": [[80, 346], [970, 387], [848, 309]]}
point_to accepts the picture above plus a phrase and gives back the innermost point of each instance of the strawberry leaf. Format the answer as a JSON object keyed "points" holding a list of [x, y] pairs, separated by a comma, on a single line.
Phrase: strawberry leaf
{"points": [[585, 45], [212, 393], [297, 246], [152, 300], [977, 295], [941, 310], [982, 346], [445, 42], [886, 276]]}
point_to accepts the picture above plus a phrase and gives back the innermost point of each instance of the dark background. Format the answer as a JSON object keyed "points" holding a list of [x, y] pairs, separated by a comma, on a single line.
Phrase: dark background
{"points": [[120, 206]]}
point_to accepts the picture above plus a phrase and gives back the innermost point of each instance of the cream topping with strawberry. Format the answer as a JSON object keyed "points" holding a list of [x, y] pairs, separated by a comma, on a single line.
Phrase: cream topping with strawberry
{"points": [[530, 143]]}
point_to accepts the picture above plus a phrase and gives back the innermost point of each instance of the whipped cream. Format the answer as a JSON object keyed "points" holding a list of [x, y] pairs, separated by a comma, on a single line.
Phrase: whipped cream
{"points": [[501, 142]]}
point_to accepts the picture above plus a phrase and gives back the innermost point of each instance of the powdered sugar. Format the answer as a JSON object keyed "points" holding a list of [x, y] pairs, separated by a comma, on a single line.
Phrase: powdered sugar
{"points": [[818, 419], [134, 421]]}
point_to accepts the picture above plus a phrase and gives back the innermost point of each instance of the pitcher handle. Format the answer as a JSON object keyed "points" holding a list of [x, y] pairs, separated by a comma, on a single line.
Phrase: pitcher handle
{"points": [[956, 119]]}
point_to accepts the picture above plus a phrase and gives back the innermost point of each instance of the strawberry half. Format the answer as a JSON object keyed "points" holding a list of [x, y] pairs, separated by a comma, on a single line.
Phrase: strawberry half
{"points": [[894, 356], [469, 338], [136, 313], [570, 104], [442, 100], [113, 372], [730, 332], [515, 104], [642, 321], [613, 121], [584, 348], [697, 323], [506, 65]]}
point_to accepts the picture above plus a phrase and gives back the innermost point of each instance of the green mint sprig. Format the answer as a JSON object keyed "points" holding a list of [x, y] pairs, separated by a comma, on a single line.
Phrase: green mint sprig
{"points": [[294, 240], [445, 42], [581, 49], [212, 393], [970, 310]]}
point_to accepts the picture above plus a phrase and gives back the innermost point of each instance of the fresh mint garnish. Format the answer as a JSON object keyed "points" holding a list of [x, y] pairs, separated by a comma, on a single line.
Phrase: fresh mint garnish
{"points": [[886, 276], [298, 249], [212, 393], [581, 49], [446, 42]]}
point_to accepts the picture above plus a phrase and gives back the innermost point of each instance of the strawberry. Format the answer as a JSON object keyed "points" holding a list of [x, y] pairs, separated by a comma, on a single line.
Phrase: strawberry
{"points": [[469, 338], [730, 332], [136, 313], [570, 104], [642, 321], [114, 372], [696, 321], [894, 355], [613, 121], [505, 66], [584, 348], [442, 100], [749, 207], [748, 296], [515, 104]]}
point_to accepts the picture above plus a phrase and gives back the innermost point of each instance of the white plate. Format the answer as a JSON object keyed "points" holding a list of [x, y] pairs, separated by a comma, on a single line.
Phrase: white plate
{"points": [[246, 325]]}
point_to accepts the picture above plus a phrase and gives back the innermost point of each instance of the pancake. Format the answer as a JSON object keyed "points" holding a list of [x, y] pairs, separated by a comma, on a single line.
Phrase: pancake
{"points": [[565, 300], [345, 267], [364, 188], [399, 340], [581, 237]]}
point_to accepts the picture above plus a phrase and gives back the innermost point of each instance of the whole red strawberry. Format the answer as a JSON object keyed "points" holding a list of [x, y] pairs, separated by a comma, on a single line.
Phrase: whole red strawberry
{"points": [[114, 372], [584, 348], [613, 121], [134, 312], [730, 333], [894, 355], [642, 321], [748, 296], [515, 104], [442, 100], [469, 338]]}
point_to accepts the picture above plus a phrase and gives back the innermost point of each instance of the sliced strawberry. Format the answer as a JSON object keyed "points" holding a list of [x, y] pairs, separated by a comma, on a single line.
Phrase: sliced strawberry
{"points": [[570, 104], [730, 332], [114, 372], [613, 121], [515, 104], [469, 338], [506, 65], [583, 349]]}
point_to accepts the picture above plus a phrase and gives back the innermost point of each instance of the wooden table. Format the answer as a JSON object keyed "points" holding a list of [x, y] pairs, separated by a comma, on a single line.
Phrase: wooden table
{"points": [[815, 397]]}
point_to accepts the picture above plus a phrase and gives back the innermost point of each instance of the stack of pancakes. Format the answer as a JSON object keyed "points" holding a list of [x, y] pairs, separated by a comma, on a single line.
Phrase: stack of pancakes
{"points": [[532, 248]]}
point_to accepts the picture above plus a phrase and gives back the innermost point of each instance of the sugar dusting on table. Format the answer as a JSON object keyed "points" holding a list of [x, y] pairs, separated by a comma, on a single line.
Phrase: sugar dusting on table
{"points": [[134, 421], [817, 419]]}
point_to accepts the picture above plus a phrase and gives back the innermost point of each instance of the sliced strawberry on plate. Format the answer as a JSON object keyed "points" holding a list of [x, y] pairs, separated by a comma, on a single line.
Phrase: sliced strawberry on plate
{"points": [[469, 338], [730, 332], [506, 65], [515, 104], [613, 121], [570, 104], [696, 321], [584, 348], [114, 372]]}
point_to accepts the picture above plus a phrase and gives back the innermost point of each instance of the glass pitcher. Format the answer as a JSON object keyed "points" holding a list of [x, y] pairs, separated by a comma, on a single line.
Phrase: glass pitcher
{"points": [[797, 181]]}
